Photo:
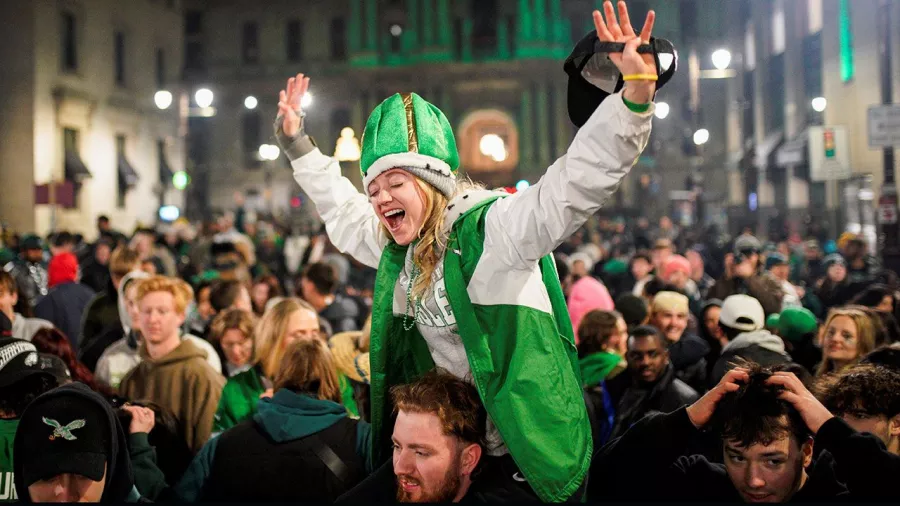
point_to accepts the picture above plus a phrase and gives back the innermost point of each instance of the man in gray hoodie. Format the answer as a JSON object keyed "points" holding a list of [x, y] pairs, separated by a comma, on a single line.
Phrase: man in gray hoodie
{"points": [[742, 321]]}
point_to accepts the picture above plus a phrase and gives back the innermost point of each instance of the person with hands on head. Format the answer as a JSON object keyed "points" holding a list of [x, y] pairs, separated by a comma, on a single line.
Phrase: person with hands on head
{"points": [[766, 425], [462, 269]]}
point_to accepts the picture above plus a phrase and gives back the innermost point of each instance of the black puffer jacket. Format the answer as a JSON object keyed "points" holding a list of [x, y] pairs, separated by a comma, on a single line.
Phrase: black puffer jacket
{"points": [[634, 401], [688, 357]]}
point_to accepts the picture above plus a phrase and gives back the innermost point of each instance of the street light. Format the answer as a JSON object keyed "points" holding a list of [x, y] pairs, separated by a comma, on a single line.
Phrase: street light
{"points": [[701, 136], [250, 102], [721, 58], [306, 100], [819, 104], [163, 99], [347, 147], [662, 110], [203, 97], [492, 145], [269, 152]]}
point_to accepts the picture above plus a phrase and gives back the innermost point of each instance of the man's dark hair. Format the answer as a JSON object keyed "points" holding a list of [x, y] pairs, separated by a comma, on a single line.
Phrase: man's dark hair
{"points": [[223, 293], [641, 255], [62, 238], [873, 295], [863, 391], [16, 397], [654, 286], [633, 309], [648, 331], [887, 356], [103, 218], [730, 333], [753, 414], [322, 276], [454, 401]]}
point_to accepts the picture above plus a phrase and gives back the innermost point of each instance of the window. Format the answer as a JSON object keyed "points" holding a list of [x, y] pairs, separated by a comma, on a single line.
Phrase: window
{"points": [[294, 42], [160, 68], [396, 38], [122, 187], [250, 43], [119, 56], [457, 38], [340, 118], [338, 39], [193, 22], [69, 49], [251, 132], [812, 65], [687, 13], [748, 127], [193, 55], [70, 140], [484, 27], [846, 41], [165, 172], [775, 93]]}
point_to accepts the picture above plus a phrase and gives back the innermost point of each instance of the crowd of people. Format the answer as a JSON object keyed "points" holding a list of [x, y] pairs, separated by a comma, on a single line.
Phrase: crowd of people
{"points": [[441, 342]]}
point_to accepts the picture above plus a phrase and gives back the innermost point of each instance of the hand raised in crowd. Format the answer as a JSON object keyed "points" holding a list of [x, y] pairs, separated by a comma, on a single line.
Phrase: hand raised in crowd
{"points": [[701, 412], [629, 62], [289, 107], [743, 270], [142, 419], [812, 411]]}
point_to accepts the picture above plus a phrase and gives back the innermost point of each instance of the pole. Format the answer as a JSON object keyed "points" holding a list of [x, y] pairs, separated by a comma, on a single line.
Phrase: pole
{"points": [[887, 202]]}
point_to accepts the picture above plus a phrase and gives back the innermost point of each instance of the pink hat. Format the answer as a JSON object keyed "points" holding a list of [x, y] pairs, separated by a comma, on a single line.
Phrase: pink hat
{"points": [[674, 264]]}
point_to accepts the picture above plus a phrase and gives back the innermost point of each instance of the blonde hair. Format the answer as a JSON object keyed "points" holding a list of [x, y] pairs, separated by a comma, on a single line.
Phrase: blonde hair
{"points": [[268, 347], [307, 367], [432, 237], [232, 319], [865, 336], [122, 261], [181, 292]]}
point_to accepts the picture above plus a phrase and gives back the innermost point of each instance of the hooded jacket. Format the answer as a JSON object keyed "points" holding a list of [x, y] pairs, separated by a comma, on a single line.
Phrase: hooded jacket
{"points": [[654, 451], [272, 457], [182, 382], [91, 351], [26, 328], [119, 486], [688, 357], [100, 316], [760, 346]]}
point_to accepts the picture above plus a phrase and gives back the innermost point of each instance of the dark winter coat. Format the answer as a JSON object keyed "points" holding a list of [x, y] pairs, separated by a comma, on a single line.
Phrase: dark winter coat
{"points": [[688, 357], [64, 307], [633, 401], [342, 314]]}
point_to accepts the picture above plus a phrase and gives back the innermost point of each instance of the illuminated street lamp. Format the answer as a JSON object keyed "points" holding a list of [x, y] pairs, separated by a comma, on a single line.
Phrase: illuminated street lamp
{"points": [[819, 104], [180, 180], [203, 97], [662, 110], [269, 152], [701, 136], [250, 102], [721, 59], [306, 101], [163, 99], [492, 145], [347, 147]]}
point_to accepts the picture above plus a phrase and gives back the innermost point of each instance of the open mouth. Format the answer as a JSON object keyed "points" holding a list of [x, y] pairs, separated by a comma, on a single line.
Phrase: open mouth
{"points": [[394, 218]]}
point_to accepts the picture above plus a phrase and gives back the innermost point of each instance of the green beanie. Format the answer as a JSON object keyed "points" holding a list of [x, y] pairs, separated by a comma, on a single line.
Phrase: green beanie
{"points": [[406, 132], [796, 322]]}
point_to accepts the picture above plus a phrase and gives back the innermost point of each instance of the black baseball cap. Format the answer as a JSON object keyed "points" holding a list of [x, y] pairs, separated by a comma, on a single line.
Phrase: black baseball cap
{"points": [[64, 434], [593, 76], [19, 359]]}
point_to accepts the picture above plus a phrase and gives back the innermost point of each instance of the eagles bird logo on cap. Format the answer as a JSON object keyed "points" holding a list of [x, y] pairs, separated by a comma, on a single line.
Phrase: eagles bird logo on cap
{"points": [[64, 432]]}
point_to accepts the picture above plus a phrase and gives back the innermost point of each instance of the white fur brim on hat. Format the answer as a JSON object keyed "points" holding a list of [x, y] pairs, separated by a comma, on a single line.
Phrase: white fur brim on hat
{"points": [[433, 171]]}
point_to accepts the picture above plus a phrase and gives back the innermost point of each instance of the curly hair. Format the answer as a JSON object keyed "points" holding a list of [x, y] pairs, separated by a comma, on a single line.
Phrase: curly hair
{"points": [[863, 391], [455, 402], [754, 414]]}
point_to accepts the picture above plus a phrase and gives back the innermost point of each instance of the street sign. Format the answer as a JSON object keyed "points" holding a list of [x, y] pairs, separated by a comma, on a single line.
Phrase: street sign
{"points": [[887, 209], [884, 126], [829, 153]]}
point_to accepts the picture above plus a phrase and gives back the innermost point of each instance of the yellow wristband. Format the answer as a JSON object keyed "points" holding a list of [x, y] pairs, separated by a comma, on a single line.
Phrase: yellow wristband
{"points": [[640, 77]]}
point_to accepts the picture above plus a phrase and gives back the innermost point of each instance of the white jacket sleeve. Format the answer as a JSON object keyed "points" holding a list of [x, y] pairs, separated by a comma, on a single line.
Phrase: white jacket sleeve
{"points": [[524, 227], [350, 221]]}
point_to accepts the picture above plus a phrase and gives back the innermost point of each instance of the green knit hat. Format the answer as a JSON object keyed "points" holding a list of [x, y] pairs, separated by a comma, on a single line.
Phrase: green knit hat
{"points": [[796, 322], [406, 132]]}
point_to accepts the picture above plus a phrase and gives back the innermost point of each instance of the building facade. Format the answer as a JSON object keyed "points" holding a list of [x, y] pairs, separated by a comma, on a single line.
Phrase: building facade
{"points": [[793, 59], [493, 66], [80, 135]]}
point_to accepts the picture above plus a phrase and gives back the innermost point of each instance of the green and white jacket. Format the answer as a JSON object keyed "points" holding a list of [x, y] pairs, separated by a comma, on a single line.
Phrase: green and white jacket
{"points": [[503, 292]]}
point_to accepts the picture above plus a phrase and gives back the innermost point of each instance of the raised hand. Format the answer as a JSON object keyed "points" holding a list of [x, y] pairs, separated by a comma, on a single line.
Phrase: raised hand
{"points": [[289, 104], [629, 62], [812, 411], [701, 412], [142, 419]]}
